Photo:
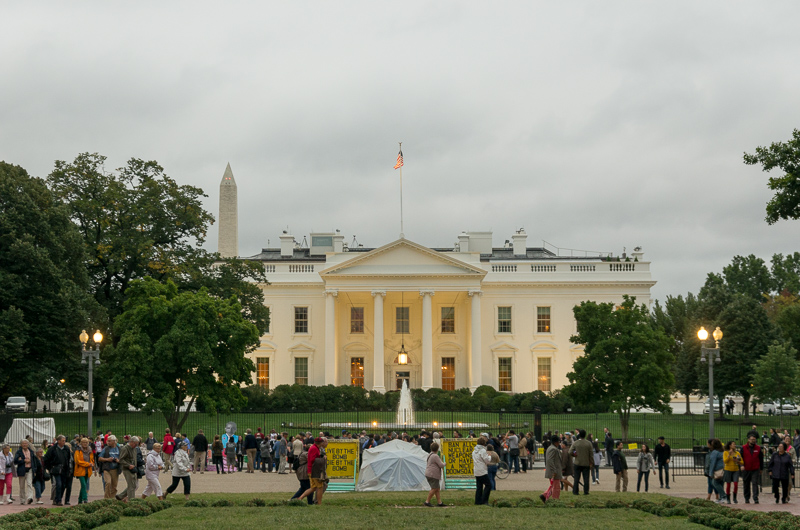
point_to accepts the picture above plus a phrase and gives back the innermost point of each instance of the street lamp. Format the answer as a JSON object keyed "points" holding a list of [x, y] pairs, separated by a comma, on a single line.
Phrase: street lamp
{"points": [[711, 356], [87, 356]]}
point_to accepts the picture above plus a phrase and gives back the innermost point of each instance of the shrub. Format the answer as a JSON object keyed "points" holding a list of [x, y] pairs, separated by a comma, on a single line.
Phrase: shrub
{"points": [[222, 503], [641, 504], [677, 511], [256, 502], [526, 502], [136, 511], [196, 503], [612, 504], [556, 503], [586, 504], [670, 503]]}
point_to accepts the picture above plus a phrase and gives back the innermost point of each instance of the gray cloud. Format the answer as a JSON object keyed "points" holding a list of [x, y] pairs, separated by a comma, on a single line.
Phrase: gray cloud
{"points": [[593, 125]]}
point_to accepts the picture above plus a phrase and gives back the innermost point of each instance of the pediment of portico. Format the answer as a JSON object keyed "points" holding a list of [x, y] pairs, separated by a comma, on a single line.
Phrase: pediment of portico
{"points": [[403, 258]]}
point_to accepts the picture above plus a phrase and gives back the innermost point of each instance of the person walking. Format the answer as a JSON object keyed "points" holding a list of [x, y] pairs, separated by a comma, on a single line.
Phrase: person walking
{"points": [[25, 461], [38, 477], [608, 442], [733, 462], [524, 453], [567, 466], [200, 444], [553, 470], [58, 460], [127, 463], [167, 449], [493, 466], [317, 469], [301, 471], [240, 452], [598, 460], [152, 468], [663, 454], [480, 462], [715, 468], [513, 450], [433, 473], [620, 466], [149, 442], [6, 474], [583, 452], [753, 463], [281, 452], [180, 471], [644, 464], [217, 451], [84, 466], [230, 454], [265, 448], [109, 465], [781, 469]]}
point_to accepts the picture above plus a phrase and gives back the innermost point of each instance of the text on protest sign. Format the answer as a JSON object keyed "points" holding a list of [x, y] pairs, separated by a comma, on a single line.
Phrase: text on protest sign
{"points": [[458, 456], [342, 455]]}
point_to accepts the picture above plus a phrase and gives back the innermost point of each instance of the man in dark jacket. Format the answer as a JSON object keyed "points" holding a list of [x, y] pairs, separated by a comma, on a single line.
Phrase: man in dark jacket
{"points": [[250, 447], [200, 444], [57, 460], [753, 461], [620, 467], [583, 452], [608, 442], [128, 464], [663, 454]]}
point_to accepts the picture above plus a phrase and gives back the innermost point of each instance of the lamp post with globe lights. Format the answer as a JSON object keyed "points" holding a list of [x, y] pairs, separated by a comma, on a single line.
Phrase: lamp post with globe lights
{"points": [[90, 357], [711, 356]]}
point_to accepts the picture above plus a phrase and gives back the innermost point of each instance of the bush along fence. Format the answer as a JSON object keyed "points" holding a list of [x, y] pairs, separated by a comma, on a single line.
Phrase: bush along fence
{"points": [[681, 431]]}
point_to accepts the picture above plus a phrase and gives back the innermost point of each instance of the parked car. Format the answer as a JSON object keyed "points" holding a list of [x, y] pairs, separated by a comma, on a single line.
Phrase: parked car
{"points": [[716, 406], [787, 409], [17, 404]]}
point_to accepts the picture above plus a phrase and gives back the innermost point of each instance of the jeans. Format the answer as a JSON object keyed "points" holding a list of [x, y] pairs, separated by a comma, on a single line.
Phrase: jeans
{"points": [[665, 469], [483, 488], [750, 477], [581, 472], [60, 483], [187, 484], [718, 488], [515, 460], [266, 464], [646, 475], [596, 473], [492, 476], [38, 486], [304, 485], [609, 453]]}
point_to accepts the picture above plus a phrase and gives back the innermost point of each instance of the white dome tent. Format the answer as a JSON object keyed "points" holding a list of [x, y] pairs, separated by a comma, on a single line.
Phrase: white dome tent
{"points": [[393, 466]]}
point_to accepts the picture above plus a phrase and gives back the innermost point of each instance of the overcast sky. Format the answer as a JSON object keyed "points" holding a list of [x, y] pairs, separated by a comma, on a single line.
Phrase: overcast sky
{"points": [[593, 125]]}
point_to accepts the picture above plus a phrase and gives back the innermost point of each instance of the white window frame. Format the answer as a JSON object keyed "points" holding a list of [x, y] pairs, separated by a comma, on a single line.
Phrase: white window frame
{"points": [[296, 333], [496, 323], [308, 369], [536, 320]]}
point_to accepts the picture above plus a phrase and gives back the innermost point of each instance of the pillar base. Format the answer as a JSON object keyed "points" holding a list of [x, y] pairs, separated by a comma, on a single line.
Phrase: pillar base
{"points": [[380, 389], [426, 387]]}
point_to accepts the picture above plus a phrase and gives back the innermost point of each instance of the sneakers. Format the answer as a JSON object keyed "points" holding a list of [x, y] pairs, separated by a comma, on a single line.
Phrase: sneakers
{"points": [[667, 486], [39, 502], [544, 499], [429, 505]]}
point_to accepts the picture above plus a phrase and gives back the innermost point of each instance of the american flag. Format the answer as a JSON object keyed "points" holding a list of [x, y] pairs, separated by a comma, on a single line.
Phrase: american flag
{"points": [[399, 160]]}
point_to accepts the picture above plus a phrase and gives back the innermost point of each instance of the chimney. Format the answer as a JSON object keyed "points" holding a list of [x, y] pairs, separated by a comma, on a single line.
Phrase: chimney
{"points": [[463, 242], [338, 242], [287, 245], [519, 238]]}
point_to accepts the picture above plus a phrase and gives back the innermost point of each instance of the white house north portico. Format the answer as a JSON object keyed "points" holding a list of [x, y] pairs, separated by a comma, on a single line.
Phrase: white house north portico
{"points": [[468, 315]]}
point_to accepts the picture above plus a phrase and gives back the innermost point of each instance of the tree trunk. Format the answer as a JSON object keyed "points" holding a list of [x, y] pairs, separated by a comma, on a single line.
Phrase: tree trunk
{"points": [[100, 397], [746, 406], [186, 413], [624, 418], [721, 408], [688, 411]]}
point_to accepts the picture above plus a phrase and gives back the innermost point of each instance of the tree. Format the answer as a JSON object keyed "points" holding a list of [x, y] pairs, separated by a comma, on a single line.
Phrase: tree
{"points": [[786, 273], [180, 348], [44, 300], [776, 376], [676, 319], [785, 204], [783, 310], [627, 362], [136, 223], [749, 276]]}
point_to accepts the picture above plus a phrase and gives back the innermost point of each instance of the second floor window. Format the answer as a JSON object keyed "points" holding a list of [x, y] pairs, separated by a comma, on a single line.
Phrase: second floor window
{"points": [[448, 320], [401, 320], [301, 320], [356, 320], [542, 320], [504, 320]]}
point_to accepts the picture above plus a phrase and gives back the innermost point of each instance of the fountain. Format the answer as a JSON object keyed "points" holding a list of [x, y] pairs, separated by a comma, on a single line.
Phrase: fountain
{"points": [[405, 419], [405, 410]]}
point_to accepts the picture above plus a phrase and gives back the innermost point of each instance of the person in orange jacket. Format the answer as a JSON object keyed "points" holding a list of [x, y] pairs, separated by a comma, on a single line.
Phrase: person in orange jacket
{"points": [[84, 466]]}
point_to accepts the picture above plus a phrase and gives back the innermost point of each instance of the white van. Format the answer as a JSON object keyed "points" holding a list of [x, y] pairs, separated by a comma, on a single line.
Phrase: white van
{"points": [[17, 404]]}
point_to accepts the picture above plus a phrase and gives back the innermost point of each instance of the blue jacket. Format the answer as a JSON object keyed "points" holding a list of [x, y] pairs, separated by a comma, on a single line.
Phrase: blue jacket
{"points": [[19, 461], [714, 462]]}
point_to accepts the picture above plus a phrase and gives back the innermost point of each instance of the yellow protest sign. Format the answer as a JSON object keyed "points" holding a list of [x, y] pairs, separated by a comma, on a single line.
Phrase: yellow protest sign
{"points": [[458, 456], [342, 456], [541, 450], [633, 446]]}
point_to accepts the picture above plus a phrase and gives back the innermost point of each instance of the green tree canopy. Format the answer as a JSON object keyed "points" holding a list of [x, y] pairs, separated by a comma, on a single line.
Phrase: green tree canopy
{"points": [[785, 204], [776, 376], [180, 348], [44, 298], [748, 276], [627, 363], [676, 318]]}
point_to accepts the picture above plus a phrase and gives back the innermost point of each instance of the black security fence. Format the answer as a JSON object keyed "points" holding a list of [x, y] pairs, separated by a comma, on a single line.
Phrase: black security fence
{"points": [[687, 432]]}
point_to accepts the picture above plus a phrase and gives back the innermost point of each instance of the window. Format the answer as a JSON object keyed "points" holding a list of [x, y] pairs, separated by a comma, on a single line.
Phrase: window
{"points": [[356, 320], [269, 321], [357, 371], [401, 320], [504, 320], [301, 320], [543, 364], [542, 320], [448, 373], [448, 320], [262, 372], [504, 374], [301, 371]]}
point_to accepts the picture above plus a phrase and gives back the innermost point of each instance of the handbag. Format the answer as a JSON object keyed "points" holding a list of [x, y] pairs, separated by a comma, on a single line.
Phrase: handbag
{"points": [[718, 474]]}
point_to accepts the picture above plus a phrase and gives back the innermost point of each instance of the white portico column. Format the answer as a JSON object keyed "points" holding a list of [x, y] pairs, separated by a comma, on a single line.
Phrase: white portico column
{"points": [[330, 337], [427, 340], [377, 357], [475, 343]]}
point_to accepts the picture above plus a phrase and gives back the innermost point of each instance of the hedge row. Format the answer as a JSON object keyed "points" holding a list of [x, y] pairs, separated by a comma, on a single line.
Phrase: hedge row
{"points": [[82, 516]]}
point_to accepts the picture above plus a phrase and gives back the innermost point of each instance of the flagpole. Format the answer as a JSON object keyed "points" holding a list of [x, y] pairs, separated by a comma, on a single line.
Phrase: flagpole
{"points": [[402, 235]]}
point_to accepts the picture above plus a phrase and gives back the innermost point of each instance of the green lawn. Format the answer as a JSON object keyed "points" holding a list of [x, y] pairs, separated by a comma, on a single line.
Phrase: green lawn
{"points": [[382, 510], [681, 431]]}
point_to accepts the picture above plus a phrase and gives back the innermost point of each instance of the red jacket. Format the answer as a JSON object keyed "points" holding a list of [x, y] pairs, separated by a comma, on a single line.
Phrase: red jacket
{"points": [[313, 453], [752, 457], [169, 444]]}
